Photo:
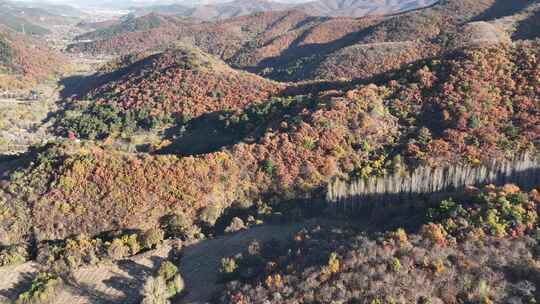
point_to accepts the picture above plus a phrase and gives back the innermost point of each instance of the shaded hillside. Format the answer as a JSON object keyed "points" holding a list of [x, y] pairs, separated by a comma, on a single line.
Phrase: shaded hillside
{"points": [[361, 8], [216, 36], [236, 8], [478, 249], [403, 38], [503, 8], [242, 42], [181, 82], [131, 24], [472, 107], [58, 9], [427, 23], [529, 28], [24, 61], [185, 81], [10, 17], [34, 19], [92, 26], [292, 46], [170, 9], [364, 60], [224, 10], [326, 8], [285, 53]]}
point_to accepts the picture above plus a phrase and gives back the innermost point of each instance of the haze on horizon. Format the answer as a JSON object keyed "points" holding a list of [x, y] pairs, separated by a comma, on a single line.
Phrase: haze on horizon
{"points": [[144, 2]]}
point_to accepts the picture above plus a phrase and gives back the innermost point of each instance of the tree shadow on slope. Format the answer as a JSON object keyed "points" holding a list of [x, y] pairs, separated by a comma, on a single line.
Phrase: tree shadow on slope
{"points": [[200, 262], [502, 8], [298, 61], [128, 284], [524, 277], [388, 211], [528, 28], [201, 135], [74, 86], [214, 131], [218, 130], [132, 282], [7, 165], [11, 163], [78, 86], [89, 292], [23, 284], [317, 86]]}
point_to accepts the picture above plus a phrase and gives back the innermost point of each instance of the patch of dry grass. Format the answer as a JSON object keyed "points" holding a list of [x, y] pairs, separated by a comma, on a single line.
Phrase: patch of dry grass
{"points": [[21, 122]]}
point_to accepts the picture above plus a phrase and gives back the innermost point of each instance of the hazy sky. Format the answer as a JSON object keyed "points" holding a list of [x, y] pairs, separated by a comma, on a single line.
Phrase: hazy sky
{"points": [[90, 2]]}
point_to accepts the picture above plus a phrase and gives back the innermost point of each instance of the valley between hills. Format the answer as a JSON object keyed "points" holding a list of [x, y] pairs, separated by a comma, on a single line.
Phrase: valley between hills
{"points": [[270, 153]]}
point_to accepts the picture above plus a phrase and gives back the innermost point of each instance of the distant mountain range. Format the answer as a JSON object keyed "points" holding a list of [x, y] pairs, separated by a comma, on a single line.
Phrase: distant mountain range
{"points": [[360, 8], [33, 17], [292, 45], [16, 19], [216, 10], [227, 9], [197, 129], [221, 9]]}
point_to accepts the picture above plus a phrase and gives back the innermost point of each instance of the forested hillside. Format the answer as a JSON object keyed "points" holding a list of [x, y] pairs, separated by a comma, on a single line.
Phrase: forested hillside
{"points": [[172, 138], [326, 8], [35, 19], [480, 249], [130, 24], [473, 106], [24, 61], [215, 11], [292, 45], [147, 90]]}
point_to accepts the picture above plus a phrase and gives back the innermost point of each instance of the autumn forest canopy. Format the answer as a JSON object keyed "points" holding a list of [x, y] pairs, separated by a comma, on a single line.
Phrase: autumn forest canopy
{"points": [[250, 152]]}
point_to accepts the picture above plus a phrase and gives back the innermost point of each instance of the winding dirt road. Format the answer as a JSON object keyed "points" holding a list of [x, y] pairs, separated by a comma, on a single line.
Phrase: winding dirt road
{"points": [[121, 281]]}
